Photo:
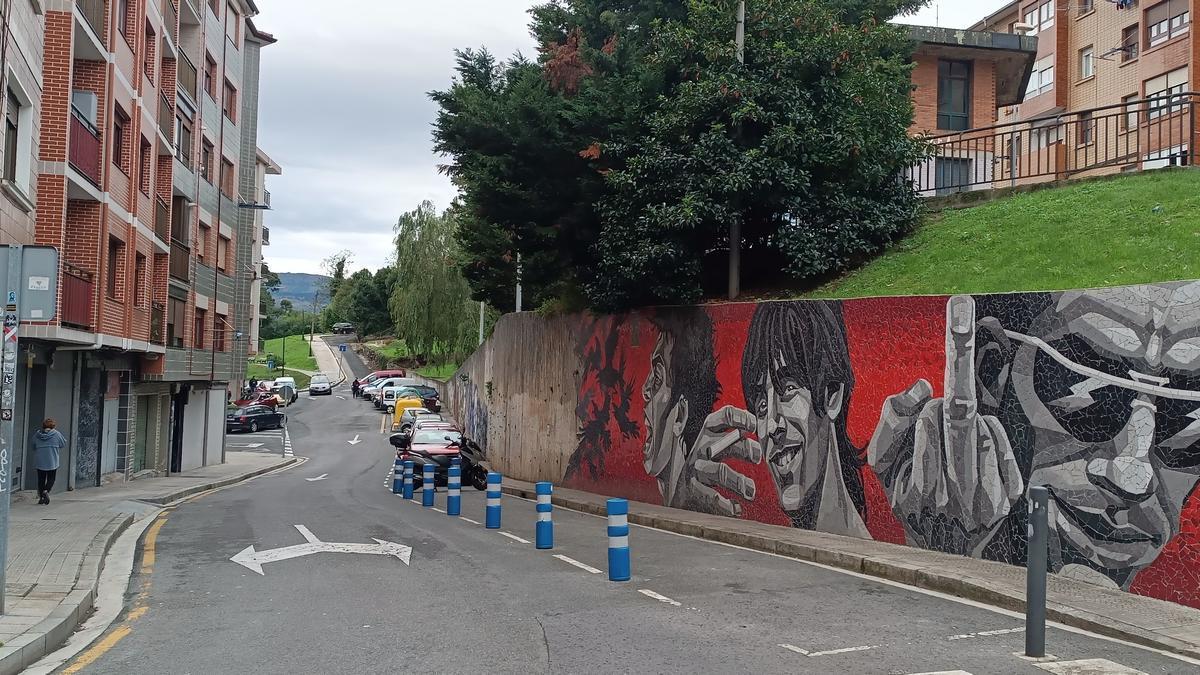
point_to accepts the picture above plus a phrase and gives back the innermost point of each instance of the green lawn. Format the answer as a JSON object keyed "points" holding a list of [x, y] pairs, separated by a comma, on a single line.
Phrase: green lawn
{"points": [[393, 351], [295, 352], [1127, 230], [442, 372]]}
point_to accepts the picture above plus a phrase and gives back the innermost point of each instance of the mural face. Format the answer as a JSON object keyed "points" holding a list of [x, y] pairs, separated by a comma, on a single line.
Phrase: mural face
{"points": [[920, 420]]}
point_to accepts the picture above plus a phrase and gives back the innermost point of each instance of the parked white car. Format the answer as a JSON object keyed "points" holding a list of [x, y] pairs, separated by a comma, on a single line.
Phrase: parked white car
{"points": [[319, 385]]}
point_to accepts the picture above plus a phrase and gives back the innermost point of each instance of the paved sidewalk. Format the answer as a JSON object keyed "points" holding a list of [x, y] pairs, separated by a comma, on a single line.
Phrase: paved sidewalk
{"points": [[328, 360], [56, 552], [1147, 621]]}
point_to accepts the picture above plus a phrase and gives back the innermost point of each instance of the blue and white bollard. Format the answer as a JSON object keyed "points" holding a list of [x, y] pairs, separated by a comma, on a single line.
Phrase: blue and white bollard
{"points": [[408, 479], [427, 485], [454, 490], [398, 476], [545, 526], [492, 521], [618, 540]]}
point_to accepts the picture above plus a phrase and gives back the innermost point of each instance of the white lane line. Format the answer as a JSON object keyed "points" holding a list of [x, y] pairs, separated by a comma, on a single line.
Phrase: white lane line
{"points": [[987, 633], [844, 650], [572, 561], [1090, 666], [945, 672], [661, 598], [473, 522], [794, 648], [307, 534], [515, 537], [437, 509]]}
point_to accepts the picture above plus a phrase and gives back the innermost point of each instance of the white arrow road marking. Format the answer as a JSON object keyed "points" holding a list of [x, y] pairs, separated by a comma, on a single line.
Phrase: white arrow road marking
{"points": [[794, 648], [247, 445], [254, 560], [321, 477], [356, 441], [341, 398]]}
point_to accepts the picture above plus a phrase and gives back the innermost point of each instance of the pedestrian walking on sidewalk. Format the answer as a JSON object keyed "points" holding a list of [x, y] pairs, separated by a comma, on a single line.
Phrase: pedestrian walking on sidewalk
{"points": [[47, 441]]}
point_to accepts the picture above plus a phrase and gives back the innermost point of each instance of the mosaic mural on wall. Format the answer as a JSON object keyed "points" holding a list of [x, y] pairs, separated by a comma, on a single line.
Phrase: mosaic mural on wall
{"points": [[920, 421]]}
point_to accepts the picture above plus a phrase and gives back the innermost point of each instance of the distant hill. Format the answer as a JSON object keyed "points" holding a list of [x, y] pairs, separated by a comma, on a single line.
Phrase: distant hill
{"points": [[299, 288]]}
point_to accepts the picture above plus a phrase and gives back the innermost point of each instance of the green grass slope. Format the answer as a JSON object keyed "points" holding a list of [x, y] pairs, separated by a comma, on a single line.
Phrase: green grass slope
{"points": [[1125, 230]]}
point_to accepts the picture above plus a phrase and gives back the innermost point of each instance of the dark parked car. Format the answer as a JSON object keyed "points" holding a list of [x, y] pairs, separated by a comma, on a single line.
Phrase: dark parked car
{"points": [[254, 417], [429, 397], [343, 328]]}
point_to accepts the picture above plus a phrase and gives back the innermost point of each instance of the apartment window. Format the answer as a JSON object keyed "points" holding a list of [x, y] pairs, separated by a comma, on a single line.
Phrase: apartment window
{"points": [[1130, 44], [229, 103], [198, 328], [206, 160], [205, 237], [1130, 119], [1086, 6], [12, 126], [218, 333], [116, 254], [1040, 16], [183, 132], [210, 76], [139, 280], [223, 253], [234, 20], [1087, 128], [150, 53], [1044, 137], [120, 125], [215, 6], [1042, 78], [144, 161], [1164, 92], [121, 8], [176, 315], [954, 95], [1166, 20], [1087, 62], [227, 178]]}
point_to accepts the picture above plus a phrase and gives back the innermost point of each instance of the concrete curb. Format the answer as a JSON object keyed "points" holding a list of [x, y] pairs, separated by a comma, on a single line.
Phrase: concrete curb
{"points": [[757, 536], [48, 635]]}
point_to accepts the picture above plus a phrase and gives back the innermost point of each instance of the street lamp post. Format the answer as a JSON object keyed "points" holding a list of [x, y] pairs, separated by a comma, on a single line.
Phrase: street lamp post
{"points": [[735, 227]]}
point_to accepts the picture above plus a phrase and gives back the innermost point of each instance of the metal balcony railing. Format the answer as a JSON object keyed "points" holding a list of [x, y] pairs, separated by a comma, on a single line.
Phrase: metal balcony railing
{"points": [[186, 75], [166, 118], [78, 296], [180, 265], [84, 154], [266, 236], [267, 198], [157, 318], [162, 220], [1132, 136], [93, 13]]}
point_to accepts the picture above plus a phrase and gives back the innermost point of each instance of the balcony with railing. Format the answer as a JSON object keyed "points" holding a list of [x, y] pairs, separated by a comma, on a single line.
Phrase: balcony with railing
{"points": [[166, 118], [157, 317], [170, 16], [266, 236], [78, 297], [84, 154], [1132, 136], [180, 264], [186, 75], [93, 13], [162, 220]]}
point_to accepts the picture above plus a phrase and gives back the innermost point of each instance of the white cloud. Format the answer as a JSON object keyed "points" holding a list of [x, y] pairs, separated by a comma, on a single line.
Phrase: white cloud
{"points": [[954, 13]]}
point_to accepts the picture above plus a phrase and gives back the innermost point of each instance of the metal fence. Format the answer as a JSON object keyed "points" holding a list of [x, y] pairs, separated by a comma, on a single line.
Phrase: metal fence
{"points": [[1134, 135]]}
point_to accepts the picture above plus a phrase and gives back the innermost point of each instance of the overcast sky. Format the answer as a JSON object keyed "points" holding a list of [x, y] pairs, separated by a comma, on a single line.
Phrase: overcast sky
{"points": [[344, 111]]}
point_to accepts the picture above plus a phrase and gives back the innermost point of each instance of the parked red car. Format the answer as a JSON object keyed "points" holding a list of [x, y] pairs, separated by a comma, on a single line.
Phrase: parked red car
{"points": [[357, 385]]}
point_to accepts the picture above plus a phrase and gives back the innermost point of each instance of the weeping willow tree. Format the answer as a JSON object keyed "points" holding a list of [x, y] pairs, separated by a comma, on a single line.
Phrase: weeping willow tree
{"points": [[431, 305]]}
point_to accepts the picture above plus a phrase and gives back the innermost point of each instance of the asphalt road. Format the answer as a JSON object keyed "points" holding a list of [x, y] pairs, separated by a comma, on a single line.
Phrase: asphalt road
{"points": [[475, 600]]}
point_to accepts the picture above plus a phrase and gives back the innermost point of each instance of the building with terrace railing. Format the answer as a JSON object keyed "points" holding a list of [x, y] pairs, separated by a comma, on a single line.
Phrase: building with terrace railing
{"points": [[128, 123]]}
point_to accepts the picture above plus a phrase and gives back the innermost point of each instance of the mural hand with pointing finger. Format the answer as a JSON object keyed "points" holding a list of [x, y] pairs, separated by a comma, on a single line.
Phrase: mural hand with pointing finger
{"points": [[685, 452], [950, 471]]}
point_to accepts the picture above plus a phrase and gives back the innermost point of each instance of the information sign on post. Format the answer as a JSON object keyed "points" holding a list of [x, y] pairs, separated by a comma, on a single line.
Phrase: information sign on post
{"points": [[30, 274]]}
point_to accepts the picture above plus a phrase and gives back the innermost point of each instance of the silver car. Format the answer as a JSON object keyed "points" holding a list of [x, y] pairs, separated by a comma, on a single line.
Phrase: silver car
{"points": [[319, 385]]}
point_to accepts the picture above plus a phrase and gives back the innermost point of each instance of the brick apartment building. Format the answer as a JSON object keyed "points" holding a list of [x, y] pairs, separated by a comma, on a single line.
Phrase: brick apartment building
{"points": [[129, 156], [1108, 91]]}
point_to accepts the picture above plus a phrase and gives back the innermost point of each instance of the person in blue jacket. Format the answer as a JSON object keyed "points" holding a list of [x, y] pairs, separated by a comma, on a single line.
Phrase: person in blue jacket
{"points": [[47, 441]]}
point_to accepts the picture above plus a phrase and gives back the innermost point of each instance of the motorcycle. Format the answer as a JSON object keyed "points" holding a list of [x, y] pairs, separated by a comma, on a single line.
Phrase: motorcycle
{"points": [[474, 464], [471, 459]]}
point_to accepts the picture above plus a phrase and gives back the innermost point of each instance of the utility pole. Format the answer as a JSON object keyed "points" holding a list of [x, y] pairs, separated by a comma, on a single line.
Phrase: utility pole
{"points": [[735, 228], [312, 330], [481, 322], [518, 282]]}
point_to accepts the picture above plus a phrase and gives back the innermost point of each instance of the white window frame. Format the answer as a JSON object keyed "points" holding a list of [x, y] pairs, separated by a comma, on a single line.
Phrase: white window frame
{"points": [[1168, 28], [1087, 62], [1042, 78], [1167, 85], [22, 182]]}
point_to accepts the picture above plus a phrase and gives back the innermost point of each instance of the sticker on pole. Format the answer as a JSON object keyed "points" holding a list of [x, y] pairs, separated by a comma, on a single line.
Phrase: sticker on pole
{"points": [[6, 414], [12, 297]]}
